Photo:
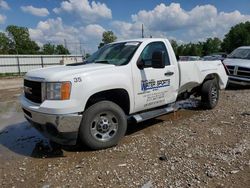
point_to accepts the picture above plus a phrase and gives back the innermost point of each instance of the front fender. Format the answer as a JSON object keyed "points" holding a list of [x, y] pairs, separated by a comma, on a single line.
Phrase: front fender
{"points": [[93, 83]]}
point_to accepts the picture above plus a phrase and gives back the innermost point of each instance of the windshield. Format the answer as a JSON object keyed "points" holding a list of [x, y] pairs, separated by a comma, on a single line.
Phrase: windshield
{"points": [[240, 54], [115, 54]]}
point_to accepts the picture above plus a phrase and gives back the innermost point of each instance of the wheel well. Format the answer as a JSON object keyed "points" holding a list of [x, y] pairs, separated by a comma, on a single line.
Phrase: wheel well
{"points": [[118, 96], [211, 77], [197, 90]]}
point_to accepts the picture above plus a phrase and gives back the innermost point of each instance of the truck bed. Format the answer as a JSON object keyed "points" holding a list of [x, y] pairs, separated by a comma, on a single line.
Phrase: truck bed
{"points": [[192, 73]]}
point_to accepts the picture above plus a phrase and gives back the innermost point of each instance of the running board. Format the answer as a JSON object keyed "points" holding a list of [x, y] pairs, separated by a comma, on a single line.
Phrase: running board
{"points": [[152, 114]]}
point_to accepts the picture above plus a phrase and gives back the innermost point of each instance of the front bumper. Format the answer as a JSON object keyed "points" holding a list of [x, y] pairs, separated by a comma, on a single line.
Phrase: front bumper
{"points": [[239, 80], [62, 129]]}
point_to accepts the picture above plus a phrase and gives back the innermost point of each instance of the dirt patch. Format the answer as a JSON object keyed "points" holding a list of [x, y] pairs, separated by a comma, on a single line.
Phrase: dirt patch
{"points": [[10, 94], [10, 89], [189, 148], [11, 83]]}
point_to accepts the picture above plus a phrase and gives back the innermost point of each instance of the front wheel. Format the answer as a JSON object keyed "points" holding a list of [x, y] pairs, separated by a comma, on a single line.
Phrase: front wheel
{"points": [[103, 125], [209, 94]]}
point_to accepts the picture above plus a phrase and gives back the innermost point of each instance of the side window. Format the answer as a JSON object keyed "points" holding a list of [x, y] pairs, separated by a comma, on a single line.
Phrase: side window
{"points": [[147, 53]]}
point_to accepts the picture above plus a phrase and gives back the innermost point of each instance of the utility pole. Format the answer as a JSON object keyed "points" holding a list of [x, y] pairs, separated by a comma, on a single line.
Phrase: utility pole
{"points": [[84, 55], [65, 44], [76, 48], [142, 31], [80, 47]]}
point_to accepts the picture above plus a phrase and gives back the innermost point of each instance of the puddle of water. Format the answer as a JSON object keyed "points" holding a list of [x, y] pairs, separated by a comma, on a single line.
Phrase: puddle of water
{"points": [[17, 136], [22, 139]]}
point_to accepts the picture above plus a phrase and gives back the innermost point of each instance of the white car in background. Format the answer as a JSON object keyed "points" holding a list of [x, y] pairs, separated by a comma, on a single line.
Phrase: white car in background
{"points": [[238, 65]]}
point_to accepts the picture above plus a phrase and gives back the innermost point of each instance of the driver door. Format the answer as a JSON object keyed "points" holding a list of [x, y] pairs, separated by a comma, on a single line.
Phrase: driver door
{"points": [[153, 86]]}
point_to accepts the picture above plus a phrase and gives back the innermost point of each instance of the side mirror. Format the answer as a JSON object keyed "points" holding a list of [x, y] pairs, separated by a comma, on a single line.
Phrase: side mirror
{"points": [[140, 64], [158, 60], [224, 55], [178, 57]]}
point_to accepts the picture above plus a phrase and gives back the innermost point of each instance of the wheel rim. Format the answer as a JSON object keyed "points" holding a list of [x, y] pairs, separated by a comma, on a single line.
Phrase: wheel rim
{"points": [[214, 95], [104, 126]]}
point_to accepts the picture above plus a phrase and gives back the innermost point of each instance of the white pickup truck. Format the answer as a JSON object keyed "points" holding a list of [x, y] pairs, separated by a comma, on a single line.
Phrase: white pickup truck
{"points": [[91, 101], [238, 65]]}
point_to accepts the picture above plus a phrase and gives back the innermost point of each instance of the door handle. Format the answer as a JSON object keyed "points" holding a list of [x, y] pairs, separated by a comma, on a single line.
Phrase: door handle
{"points": [[169, 73]]}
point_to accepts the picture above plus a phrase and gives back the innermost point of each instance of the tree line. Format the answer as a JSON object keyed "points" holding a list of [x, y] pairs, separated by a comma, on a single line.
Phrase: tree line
{"points": [[238, 35], [16, 40]]}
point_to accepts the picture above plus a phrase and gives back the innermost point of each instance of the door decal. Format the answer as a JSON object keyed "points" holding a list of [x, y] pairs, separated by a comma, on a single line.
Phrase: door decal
{"points": [[154, 85], [154, 98]]}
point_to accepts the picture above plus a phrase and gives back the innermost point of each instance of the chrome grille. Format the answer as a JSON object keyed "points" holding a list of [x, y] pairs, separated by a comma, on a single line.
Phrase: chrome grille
{"points": [[239, 71], [244, 72]]}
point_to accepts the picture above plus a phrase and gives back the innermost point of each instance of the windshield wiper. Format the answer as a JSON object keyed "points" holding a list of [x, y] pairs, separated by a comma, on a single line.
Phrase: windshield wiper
{"points": [[102, 61], [234, 57], [78, 63]]}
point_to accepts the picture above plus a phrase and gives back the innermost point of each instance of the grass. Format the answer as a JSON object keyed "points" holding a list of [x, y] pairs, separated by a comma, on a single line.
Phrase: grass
{"points": [[7, 75]]}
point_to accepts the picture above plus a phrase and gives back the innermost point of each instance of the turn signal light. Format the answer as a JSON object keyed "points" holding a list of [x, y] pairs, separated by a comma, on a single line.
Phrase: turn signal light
{"points": [[65, 90]]}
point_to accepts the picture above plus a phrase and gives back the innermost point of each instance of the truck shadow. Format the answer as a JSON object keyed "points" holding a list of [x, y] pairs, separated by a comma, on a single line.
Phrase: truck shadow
{"points": [[134, 127]]}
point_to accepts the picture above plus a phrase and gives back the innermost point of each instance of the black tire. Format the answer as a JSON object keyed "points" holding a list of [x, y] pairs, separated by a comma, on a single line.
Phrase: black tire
{"points": [[103, 125], [209, 94]]}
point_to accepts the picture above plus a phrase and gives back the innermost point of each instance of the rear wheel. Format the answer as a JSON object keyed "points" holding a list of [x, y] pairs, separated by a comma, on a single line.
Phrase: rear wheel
{"points": [[209, 94], [103, 125]]}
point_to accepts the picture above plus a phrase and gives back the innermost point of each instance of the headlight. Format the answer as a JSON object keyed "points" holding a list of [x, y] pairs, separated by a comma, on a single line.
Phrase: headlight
{"points": [[56, 90]]}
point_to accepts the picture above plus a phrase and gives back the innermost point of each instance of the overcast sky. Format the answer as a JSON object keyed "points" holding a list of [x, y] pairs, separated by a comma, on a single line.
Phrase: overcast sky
{"points": [[86, 20]]}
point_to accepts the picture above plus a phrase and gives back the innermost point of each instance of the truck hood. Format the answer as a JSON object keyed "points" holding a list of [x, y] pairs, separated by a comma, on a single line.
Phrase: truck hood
{"points": [[237, 62], [57, 73]]}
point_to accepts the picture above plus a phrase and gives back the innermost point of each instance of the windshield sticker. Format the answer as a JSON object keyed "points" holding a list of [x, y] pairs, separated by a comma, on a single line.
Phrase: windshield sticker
{"points": [[132, 44], [154, 85]]}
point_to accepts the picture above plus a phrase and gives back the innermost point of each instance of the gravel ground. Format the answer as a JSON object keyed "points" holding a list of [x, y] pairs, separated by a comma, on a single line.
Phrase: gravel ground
{"points": [[189, 148]]}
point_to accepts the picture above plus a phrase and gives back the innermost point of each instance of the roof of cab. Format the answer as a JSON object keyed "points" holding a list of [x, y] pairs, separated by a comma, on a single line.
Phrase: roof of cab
{"points": [[141, 40], [244, 47]]}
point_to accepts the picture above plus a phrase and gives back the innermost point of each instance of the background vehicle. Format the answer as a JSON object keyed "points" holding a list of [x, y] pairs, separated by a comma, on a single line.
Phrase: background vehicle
{"points": [[217, 56], [139, 79], [189, 58], [238, 65]]}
